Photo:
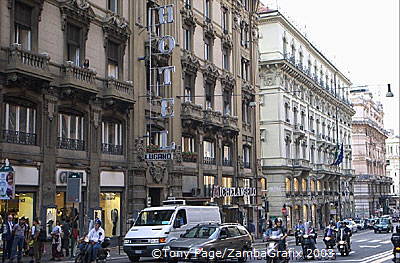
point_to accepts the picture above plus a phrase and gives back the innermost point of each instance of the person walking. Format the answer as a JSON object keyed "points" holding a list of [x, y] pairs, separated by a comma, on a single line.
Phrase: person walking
{"points": [[56, 244], [37, 242], [19, 231], [8, 236], [66, 235], [74, 238]]}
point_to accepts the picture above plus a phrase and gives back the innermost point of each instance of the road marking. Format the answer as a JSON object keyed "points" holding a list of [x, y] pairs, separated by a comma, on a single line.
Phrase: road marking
{"points": [[352, 252], [370, 246], [371, 259], [359, 241], [383, 259], [385, 242], [375, 241]]}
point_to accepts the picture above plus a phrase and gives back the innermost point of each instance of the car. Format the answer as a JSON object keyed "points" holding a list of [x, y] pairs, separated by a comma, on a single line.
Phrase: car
{"points": [[351, 225], [206, 240], [384, 224], [359, 223]]}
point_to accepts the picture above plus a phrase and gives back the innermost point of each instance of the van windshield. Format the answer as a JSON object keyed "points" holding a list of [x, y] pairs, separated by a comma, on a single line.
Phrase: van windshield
{"points": [[384, 221], [154, 218], [200, 232]]}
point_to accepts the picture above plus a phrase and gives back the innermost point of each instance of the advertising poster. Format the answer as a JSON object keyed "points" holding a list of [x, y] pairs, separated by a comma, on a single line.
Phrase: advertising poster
{"points": [[7, 183]]}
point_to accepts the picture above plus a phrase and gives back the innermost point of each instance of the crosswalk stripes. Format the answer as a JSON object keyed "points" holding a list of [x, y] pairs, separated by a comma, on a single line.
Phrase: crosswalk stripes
{"points": [[375, 241], [385, 242], [378, 258], [360, 241]]}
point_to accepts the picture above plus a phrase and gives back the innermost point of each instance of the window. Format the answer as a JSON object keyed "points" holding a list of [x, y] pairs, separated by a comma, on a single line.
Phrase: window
{"points": [[189, 86], [227, 156], [225, 18], [209, 89], [226, 58], [111, 137], [227, 182], [208, 49], [246, 156], [208, 182], [71, 132], [288, 187], [188, 144], [295, 115], [23, 25], [304, 185], [112, 5], [113, 60], [20, 124], [188, 4], [246, 114], [227, 97], [74, 44], [303, 120], [246, 198], [311, 124], [245, 69], [287, 112], [187, 39], [181, 217], [207, 10], [209, 152], [287, 146], [312, 155], [296, 184], [157, 138]]}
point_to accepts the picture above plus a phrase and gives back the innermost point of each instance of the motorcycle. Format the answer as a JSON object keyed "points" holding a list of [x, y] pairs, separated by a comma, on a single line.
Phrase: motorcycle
{"points": [[329, 239], [83, 255], [343, 245], [297, 234], [273, 248], [308, 245], [396, 254]]}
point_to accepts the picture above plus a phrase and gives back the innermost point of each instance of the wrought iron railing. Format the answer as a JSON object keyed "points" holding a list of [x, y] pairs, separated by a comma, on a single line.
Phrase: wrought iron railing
{"points": [[227, 162], [246, 164], [19, 137], [70, 144], [111, 149], [209, 160]]}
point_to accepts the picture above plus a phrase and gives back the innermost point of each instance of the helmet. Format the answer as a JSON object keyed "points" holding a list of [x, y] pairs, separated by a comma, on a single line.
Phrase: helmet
{"points": [[276, 220], [331, 222], [97, 221], [398, 229]]}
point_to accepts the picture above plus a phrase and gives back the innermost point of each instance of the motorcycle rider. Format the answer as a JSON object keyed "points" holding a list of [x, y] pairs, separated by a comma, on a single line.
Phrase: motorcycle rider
{"points": [[330, 230], [310, 230], [396, 239], [347, 232], [96, 237], [278, 229], [299, 227]]}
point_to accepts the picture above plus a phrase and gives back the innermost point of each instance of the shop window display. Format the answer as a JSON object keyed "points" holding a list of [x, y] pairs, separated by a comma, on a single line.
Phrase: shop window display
{"points": [[21, 206], [111, 214]]}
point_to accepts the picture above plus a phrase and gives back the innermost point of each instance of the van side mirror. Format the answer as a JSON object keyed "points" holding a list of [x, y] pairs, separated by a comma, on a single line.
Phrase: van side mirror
{"points": [[177, 224], [181, 235]]}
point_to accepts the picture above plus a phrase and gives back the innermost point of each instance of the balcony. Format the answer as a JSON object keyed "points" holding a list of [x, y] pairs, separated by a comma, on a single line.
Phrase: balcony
{"points": [[350, 172], [246, 165], [78, 77], [18, 137], [119, 90], [27, 62], [70, 144], [111, 149], [299, 130], [227, 162], [191, 112], [301, 163], [189, 157], [212, 118], [320, 138], [209, 160], [230, 123]]}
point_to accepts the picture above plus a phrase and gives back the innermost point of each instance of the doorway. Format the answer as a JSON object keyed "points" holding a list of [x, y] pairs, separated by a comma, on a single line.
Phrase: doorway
{"points": [[155, 195]]}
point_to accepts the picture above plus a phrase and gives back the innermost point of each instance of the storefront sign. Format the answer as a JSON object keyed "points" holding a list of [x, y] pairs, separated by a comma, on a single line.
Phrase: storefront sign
{"points": [[158, 156], [7, 182], [219, 191], [74, 187]]}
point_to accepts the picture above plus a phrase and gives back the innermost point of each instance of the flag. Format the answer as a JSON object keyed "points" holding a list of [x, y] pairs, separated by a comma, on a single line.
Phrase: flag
{"points": [[339, 157]]}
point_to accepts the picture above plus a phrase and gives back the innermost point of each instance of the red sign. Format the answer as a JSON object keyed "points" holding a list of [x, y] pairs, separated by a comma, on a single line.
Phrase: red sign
{"points": [[284, 211]]}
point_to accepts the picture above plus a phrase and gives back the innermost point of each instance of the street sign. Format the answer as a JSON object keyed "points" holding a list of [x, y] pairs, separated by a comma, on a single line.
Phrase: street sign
{"points": [[159, 156], [284, 211], [74, 187]]}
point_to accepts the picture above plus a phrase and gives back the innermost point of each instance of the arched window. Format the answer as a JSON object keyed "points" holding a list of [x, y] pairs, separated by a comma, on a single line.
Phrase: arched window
{"points": [[295, 184], [304, 185], [312, 185], [319, 186], [288, 186]]}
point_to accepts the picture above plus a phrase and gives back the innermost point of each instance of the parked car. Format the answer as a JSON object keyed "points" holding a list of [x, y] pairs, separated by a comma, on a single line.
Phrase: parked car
{"points": [[351, 225], [209, 238], [384, 225]]}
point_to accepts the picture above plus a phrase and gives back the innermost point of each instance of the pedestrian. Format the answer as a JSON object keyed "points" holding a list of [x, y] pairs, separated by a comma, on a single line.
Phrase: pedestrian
{"points": [[74, 238], [56, 244], [8, 236], [37, 242], [66, 235], [19, 231]]}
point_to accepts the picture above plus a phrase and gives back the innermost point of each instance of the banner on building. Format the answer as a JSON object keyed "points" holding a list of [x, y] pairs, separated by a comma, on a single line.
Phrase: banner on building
{"points": [[7, 182], [219, 191]]}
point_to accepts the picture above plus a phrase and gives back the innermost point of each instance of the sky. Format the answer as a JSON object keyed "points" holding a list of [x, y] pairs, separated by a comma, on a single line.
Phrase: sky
{"points": [[360, 37]]}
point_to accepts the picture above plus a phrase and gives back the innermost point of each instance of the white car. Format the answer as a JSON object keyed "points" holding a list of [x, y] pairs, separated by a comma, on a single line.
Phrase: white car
{"points": [[352, 225]]}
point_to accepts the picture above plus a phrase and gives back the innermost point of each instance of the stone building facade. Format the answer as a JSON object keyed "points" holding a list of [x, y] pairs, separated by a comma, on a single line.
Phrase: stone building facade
{"points": [[393, 169], [372, 186], [74, 84], [305, 115]]}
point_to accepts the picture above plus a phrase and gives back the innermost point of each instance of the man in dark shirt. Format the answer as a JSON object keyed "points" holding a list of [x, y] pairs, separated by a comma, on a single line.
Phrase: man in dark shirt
{"points": [[19, 231], [277, 230], [346, 233], [8, 235]]}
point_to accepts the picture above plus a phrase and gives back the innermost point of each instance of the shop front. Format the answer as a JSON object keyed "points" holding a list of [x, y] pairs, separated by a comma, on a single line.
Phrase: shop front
{"points": [[26, 188], [112, 189]]}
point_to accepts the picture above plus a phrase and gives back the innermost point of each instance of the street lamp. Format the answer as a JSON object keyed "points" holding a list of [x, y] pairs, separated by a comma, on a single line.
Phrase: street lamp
{"points": [[389, 93]]}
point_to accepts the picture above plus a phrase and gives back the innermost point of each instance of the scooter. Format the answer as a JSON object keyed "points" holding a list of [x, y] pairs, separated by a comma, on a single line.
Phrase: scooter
{"points": [[273, 253], [297, 234], [343, 246], [330, 242], [396, 254], [102, 255], [308, 245]]}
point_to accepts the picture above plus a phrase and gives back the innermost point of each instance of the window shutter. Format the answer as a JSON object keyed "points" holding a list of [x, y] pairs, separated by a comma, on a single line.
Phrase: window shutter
{"points": [[23, 14], [113, 51], [73, 34]]}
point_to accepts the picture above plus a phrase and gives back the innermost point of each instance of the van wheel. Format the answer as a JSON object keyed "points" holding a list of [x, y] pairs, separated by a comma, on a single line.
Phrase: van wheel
{"points": [[134, 258]]}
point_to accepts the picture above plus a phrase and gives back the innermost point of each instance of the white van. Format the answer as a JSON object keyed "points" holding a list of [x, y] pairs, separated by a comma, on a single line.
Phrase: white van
{"points": [[156, 226]]}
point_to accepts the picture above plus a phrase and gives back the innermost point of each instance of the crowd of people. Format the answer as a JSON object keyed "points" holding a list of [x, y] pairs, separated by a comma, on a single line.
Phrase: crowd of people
{"points": [[24, 239]]}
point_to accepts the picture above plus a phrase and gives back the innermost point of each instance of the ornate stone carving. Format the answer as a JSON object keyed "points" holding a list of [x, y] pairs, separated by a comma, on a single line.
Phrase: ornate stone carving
{"points": [[190, 63], [39, 4], [240, 162], [178, 154], [227, 80], [210, 72], [157, 171], [117, 27], [227, 41], [79, 11], [188, 17], [140, 149], [209, 30]]}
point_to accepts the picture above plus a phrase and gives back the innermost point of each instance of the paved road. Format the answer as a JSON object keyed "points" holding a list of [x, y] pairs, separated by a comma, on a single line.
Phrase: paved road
{"points": [[367, 247]]}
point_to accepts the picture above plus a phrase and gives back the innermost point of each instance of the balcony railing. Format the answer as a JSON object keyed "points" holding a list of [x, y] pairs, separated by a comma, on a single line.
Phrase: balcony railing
{"points": [[209, 160], [122, 90], [111, 149], [79, 77], [190, 157], [227, 162], [246, 165], [18, 137], [70, 144]]}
